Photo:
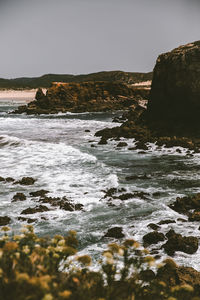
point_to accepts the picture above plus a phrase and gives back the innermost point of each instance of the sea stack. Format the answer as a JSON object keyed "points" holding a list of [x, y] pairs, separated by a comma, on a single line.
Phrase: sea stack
{"points": [[175, 94]]}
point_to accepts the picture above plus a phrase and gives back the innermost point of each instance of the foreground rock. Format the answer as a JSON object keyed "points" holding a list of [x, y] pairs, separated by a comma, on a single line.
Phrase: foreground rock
{"points": [[153, 238], [84, 97], [115, 232], [177, 242], [174, 275]]}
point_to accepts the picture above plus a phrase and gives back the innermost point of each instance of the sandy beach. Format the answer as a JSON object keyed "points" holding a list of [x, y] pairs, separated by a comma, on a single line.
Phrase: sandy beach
{"points": [[18, 95]]}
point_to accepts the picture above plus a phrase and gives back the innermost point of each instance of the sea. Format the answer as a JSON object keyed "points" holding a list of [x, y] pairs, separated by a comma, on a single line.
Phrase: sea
{"points": [[63, 155]]}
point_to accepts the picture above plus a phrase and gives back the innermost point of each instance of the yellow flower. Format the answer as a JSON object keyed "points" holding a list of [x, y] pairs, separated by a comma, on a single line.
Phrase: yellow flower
{"points": [[48, 297], [22, 277], [107, 254], [1, 272], [10, 246], [5, 228], [17, 255], [187, 288], [26, 249], [121, 252], [65, 294], [61, 243]]}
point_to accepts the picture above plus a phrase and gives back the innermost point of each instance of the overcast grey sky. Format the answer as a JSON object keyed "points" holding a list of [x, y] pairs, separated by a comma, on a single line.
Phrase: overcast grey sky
{"points": [[83, 36]]}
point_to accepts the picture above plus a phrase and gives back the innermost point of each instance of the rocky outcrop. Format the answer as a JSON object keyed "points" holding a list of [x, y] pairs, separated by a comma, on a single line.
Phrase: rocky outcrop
{"points": [[82, 97], [173, 275], [172, 114], [175, 93]]}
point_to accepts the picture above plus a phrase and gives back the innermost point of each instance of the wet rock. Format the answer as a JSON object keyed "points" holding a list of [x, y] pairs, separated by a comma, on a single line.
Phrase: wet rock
{"points": [[166, 222], [141, 145], [26, 181], [115, 232], [62, 203], [103, 141], [153, 238], [112, 191], [181, 220], [195, 216], [153, 226], [122, 144], [177, 242], [34, 210], [125, 196], [28, 220], [2, 179], [185, 204], [135, 177], [9, 179], [4, 220], [87, 130], [19, 197], [40, 193]]}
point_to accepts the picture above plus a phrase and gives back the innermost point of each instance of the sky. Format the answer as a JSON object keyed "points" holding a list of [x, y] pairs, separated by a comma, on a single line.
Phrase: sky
{"points": [[85, 36]]}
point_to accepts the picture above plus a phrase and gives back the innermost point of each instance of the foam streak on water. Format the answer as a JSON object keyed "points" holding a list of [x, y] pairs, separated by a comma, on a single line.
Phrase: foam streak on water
{"points": [[56, 150]]}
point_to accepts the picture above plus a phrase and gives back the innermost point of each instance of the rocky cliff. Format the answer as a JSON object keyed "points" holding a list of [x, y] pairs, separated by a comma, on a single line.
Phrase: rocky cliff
{"points": [[82, 97], [175, 93]]}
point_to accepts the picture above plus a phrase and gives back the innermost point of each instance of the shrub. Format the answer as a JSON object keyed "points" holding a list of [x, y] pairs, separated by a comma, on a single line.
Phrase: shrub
{"points": [[35, 268]]}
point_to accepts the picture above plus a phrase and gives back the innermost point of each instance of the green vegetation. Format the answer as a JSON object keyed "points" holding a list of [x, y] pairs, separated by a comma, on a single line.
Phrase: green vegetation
{"points": [[46, 80], [34, 268]]}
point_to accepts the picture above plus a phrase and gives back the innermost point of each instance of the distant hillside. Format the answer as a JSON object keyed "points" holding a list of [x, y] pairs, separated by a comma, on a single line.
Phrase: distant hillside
{"points": [[46, 80]]}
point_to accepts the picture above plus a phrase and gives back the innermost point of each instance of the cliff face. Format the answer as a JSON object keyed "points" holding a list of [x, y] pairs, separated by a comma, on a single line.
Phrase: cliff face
{"points": [[175, 93], [81, 97]]}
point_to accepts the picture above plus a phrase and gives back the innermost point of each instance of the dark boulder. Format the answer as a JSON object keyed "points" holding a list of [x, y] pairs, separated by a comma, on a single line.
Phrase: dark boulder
{"points": [[122, 144], [185, 204], [153, 238], [9, 179], [28, 220], [26, 181], [40, 193], [4, 220], [115, 232], [62, 203], [19, 197], [153, 226], [34, 210], [177, 242], [163, 222]]}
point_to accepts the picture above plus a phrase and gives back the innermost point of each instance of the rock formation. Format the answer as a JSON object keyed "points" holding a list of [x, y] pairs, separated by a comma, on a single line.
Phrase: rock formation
{"points": [[82, 97], [175, 94]]}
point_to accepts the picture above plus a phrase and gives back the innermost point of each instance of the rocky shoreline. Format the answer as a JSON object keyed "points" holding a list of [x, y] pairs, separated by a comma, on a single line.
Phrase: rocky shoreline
{"points": [[171, 119], [84, 97]]}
